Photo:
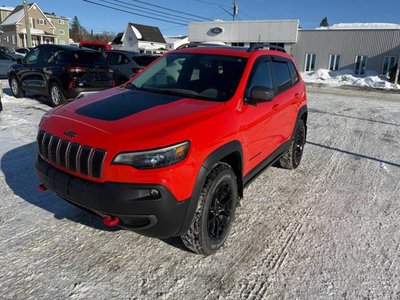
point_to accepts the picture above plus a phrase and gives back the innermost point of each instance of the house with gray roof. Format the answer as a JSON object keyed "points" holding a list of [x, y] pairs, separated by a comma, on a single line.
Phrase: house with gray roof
{"points": [[42, 29], [141, 38]]}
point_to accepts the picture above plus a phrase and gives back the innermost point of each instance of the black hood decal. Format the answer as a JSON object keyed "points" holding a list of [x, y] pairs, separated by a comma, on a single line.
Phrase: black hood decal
{"points": [[125, 104]]}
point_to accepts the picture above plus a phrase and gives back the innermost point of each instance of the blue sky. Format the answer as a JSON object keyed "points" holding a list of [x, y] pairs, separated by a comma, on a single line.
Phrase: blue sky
{"points": [[309, 12]]}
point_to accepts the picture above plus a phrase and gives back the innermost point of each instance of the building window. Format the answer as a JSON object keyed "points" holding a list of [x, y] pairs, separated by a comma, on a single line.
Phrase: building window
{"points": [[13, 39], [310, 62], [7, 39], [30, 22], [388, 64], [61, 32], [238, 44], [61, 22], [361, 64], [41, 22], [62, 42], [334, 62]]}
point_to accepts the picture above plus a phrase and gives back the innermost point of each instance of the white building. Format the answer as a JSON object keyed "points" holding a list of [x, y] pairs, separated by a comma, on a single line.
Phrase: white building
{"points": [[140, 38], [173, 42]]}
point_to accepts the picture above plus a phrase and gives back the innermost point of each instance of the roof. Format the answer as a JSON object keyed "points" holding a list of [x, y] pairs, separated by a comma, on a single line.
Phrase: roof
{"points": [[52, 15], [149, 33], [7, 8], [15, 15], [362, 26], [118, 39], [18, 13]]}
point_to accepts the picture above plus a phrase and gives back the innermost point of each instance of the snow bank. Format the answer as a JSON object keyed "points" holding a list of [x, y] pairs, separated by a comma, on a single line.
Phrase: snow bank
{"points": [[347, 77], [362, 26]]}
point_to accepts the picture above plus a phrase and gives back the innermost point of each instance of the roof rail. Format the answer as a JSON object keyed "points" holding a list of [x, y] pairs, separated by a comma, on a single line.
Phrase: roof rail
{"points": [[258, 46], [195, 45]]}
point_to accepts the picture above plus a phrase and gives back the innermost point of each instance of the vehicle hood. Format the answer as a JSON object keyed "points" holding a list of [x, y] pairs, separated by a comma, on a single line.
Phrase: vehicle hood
{"points": [[130, 115]]}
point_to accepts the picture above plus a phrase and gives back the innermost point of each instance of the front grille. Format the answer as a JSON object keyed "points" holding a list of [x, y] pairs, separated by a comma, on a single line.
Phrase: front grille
{"points": [[73, 156]]}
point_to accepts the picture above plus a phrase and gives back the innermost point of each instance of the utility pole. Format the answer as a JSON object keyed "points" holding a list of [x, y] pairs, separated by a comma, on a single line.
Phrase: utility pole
{"points": [[27, 25], [235, 9]]}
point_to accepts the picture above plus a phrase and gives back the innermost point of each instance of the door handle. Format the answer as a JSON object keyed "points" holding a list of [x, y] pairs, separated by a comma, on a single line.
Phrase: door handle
{"points": [[297, 95], [275, 106]]}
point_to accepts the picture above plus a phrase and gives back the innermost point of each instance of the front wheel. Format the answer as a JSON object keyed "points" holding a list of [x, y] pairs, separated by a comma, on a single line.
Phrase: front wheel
{"points": [[291, 160], [56, 95], [215, 212]]}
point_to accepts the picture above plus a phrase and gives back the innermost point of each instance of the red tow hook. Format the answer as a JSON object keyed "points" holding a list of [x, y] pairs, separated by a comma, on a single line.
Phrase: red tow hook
{"points": [[110, 221], [42, 188]]}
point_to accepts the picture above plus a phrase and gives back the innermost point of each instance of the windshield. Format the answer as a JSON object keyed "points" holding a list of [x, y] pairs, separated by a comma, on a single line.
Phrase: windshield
{"points": [[201, 76]]}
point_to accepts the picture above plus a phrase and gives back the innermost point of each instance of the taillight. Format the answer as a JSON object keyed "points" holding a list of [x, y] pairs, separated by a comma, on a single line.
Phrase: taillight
{"points": [[114, 84], [76, 70], [71, 85]]}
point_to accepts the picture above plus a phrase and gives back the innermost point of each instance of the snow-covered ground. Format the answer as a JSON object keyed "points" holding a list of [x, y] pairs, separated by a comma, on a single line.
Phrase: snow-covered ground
{"points": [[328, 230], [347, 77]]}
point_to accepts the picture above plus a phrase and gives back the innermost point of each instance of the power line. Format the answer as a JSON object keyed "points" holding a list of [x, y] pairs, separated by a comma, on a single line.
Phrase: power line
{"points": [[170, 9], [153, 11], [147, 10], [136, 14]]}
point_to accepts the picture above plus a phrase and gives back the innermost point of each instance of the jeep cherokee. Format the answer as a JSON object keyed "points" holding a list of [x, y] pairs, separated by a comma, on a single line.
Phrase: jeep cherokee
{"points": [[169, 153]]}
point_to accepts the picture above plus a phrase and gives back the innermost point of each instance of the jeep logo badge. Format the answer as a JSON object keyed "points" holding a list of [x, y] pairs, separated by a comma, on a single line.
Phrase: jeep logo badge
{"points": [[70, 133]]}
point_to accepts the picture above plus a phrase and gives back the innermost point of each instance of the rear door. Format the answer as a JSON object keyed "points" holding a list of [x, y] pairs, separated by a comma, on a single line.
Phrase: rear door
{"points": [[288, 89]]}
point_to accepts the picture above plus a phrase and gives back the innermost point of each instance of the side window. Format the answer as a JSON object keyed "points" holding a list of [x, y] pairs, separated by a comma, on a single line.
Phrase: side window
{"points": [[47, 54], [60, 57], [260, 76], [294, 77], [281, 75], [124, 59], [114, 59], [32, 57]]}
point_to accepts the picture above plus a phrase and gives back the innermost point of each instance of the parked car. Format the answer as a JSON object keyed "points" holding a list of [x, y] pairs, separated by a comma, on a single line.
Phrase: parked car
{"points": [[170, 152], [99, 46], [9, 52], [60, 73], [22, 51], [6, 62], [127, 64]]}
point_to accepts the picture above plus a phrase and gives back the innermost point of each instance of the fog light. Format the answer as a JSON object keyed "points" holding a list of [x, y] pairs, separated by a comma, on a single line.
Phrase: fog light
{"points": [[155, 194]]}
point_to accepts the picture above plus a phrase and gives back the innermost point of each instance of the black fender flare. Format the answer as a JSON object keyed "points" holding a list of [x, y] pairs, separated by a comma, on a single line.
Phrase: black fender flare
{"points": [[212, 159], [301, 114]]}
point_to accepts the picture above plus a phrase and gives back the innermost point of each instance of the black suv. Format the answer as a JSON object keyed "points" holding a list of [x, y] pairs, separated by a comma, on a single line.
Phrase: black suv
{"points": [[60, 73], [127, 64]]}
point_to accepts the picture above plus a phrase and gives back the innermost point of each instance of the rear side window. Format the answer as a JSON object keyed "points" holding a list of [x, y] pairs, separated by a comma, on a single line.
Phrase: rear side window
{"points": [[282, 75], [144, 60], [90, 58], [293, 73]]}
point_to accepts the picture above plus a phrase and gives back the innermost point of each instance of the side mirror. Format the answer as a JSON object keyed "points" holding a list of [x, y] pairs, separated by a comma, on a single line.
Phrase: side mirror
{"points": [[19, 60], [260, 94]]}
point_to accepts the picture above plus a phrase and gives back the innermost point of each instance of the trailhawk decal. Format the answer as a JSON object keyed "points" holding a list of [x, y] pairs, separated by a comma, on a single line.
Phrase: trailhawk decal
{"points": [[124, 104]]}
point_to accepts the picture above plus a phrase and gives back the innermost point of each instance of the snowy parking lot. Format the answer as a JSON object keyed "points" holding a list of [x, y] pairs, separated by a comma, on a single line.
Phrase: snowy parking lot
{"points": [[328, 230]]}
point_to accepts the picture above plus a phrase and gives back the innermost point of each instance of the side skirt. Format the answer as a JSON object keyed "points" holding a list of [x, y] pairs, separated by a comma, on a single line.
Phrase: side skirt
{"points": [[270, 160]]}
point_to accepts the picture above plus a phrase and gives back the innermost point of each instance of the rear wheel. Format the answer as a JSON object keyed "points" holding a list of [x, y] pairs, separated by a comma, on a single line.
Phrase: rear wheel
{"points": [[292, 159], [56, 95], [215, 212], [16, 88]]}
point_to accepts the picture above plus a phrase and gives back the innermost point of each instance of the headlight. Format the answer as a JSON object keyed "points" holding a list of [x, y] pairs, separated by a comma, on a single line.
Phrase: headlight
{"points": [[151, 159]]}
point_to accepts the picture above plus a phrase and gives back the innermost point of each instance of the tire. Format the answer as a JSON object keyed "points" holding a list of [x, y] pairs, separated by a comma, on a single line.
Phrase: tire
{"points": [[16, 87], [56, 95], [213, 218], [291, 160]]}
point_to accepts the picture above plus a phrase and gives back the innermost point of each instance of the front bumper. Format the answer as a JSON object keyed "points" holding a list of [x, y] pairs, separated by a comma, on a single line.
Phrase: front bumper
{"points": [[138, 210]]}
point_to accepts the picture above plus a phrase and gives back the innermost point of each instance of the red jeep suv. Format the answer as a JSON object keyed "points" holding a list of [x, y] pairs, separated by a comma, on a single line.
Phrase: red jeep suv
{"points": [[170, 152]]}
